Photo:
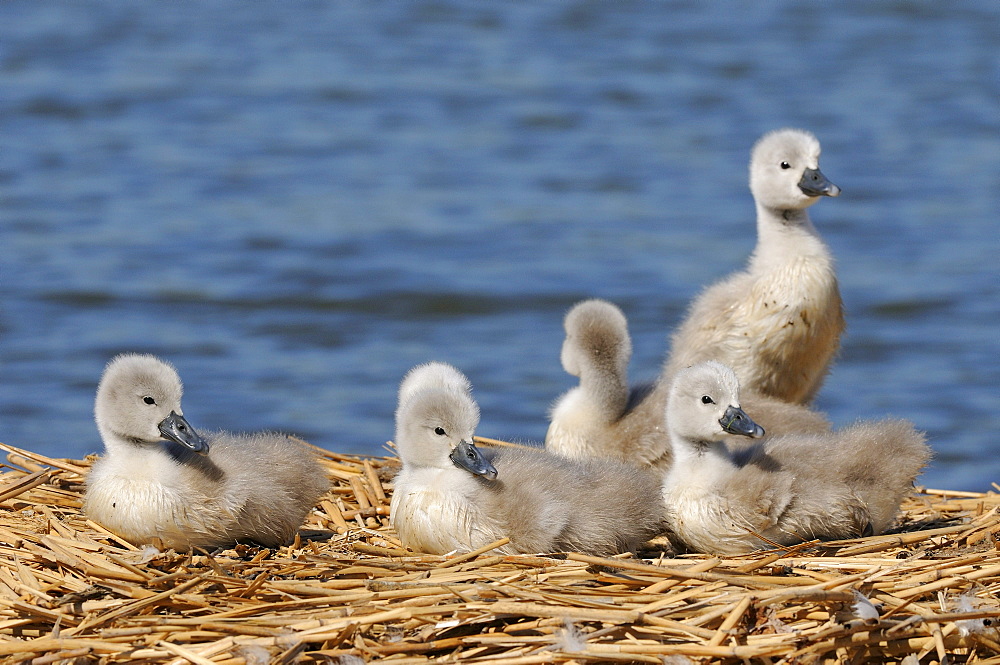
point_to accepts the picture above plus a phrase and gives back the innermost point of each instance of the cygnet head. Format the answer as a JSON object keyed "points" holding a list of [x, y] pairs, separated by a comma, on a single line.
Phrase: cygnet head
{"points": [[436, 419], [433, 375], [139, 402], [596, 334], [784, 171], [704, 404]]}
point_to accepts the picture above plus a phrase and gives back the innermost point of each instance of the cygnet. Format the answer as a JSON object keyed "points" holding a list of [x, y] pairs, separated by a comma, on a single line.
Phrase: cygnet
{"points": [[602, 417], [778, 322], [790, 489], [587, 421], [160, 482], [451, 496]]}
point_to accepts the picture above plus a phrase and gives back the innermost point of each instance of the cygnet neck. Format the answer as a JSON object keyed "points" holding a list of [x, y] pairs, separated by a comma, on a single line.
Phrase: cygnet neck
{"points": [[700, 449], [116, 443], [784, 236], [122, 447], [607, 389], [700, 464]]}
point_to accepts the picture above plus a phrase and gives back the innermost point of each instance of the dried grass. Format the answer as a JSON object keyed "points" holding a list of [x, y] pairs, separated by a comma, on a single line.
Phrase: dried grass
{"points": [[347, 591]]}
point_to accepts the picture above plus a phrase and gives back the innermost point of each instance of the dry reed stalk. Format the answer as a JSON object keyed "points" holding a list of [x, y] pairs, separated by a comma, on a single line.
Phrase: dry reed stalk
{"points": [[70, 590]]}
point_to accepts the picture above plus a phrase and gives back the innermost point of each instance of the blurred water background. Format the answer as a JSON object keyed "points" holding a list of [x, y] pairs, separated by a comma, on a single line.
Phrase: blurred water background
{"points": [[296, 202]]}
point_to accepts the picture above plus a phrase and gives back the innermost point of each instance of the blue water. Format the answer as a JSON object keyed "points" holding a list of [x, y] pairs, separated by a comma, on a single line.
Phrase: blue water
{"points": [[296, 202]]}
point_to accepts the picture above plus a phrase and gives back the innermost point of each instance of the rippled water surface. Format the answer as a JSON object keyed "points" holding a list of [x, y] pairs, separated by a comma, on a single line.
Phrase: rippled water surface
{"points": [[296, 202]]}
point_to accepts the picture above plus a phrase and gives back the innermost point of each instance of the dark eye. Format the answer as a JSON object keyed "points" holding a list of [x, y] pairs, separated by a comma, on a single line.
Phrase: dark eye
{"points": [[786, 165], [148, 400], [439, 431], [705, 399]]}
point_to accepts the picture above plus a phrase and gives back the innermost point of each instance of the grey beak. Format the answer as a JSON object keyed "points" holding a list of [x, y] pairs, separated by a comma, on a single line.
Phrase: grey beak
{"points": [[175, 428], [814, 183], [736, 421], [467, 456]]}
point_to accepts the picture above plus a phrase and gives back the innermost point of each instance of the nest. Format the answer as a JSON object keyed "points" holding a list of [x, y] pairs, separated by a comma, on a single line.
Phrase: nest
{"points": [[347, 590]]}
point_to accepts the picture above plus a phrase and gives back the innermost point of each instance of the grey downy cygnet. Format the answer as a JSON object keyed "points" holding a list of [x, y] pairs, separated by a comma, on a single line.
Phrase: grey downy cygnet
{"points": [[777, 323], [451, 496], [602, 417], [160, 482], [794, 488]]}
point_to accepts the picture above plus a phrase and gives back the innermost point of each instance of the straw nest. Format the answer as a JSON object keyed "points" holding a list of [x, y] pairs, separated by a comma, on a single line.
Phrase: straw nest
{"points": [[347, 591]]}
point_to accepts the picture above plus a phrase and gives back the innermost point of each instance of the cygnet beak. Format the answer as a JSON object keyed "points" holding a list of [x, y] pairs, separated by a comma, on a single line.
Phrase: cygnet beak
{"points": [[736, 421], [175, 428], [466, 456], [814, 183]]}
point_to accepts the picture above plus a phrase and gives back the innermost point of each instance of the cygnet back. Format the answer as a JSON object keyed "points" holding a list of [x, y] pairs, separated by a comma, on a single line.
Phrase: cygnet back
{"points": [[275, 479], [548, 503], [876, 461]]}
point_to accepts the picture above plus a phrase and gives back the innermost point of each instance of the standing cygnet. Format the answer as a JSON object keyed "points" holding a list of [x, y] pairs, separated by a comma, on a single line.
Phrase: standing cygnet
{"points": [[787, 490], [777, 323], [159, 479], [603, 418], [450, 496]]}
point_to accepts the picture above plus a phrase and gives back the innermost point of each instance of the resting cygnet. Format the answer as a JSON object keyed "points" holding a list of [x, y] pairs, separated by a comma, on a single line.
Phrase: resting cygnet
{"points": [[584, 422], [603, 418], [777, 323], [451, 496], [159, 479], [790, 489]]}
